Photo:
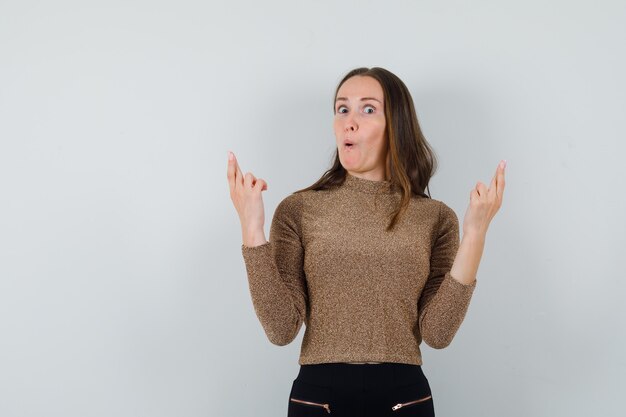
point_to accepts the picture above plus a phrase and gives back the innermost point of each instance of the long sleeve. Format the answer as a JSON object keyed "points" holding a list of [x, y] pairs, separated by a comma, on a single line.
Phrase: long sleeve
{"points": [[444, 300], [276, 274]]}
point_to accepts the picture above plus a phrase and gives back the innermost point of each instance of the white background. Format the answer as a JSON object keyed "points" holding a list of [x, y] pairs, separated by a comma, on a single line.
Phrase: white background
{"points": [[123, 290]]}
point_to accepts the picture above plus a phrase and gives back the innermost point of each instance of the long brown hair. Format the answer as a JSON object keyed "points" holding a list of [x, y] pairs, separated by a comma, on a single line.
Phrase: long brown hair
{"points": [[411, 160]]}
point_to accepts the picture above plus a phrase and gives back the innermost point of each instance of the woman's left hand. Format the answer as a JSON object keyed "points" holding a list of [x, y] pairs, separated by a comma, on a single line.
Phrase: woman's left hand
{"points": [[484, 204]]}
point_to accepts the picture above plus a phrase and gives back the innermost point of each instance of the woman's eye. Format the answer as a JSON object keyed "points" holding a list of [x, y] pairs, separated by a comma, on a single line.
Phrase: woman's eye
{"points": [[343, 107]]}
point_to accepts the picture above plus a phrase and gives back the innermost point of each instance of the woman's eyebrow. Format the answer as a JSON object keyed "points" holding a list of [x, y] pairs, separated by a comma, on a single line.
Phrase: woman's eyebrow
{"points": [[363, 99]]}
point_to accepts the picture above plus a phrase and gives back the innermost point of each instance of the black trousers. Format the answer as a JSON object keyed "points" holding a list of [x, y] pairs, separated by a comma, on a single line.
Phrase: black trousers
{"points": [[360, 390]]}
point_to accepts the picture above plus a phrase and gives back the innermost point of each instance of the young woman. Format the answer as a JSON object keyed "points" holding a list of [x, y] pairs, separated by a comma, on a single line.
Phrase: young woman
{"points": [[365, 258]]}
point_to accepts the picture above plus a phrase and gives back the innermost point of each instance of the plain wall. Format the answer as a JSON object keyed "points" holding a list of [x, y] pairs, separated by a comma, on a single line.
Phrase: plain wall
{"points": [[123, 290]]}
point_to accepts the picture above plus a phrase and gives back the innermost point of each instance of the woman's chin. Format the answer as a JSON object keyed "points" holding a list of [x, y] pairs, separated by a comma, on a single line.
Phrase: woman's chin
{"points": [[349, 157], [347, 163]]}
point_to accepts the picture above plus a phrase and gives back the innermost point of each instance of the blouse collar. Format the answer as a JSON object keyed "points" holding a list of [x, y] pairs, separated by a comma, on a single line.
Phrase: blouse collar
{"points": [[367, 186]]}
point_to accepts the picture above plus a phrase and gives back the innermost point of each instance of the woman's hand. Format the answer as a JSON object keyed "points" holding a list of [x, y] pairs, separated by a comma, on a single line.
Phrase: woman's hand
{"points": [[245, 192], [484, 204]]}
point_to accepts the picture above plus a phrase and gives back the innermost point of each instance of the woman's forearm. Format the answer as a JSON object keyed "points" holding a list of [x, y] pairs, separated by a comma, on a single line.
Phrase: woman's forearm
{"points": [[253, 236], [465, 265]]}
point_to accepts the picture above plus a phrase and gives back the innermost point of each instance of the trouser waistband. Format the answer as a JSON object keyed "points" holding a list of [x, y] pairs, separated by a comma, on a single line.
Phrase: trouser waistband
{"points": [[361, 376]]}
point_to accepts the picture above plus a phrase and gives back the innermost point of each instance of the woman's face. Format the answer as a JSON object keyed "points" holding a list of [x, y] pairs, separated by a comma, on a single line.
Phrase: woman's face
{"points": [[360, 119]]}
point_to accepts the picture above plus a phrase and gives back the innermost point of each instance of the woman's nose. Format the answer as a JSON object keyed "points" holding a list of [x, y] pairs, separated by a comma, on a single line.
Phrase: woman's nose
{"points": [[350, 124]]}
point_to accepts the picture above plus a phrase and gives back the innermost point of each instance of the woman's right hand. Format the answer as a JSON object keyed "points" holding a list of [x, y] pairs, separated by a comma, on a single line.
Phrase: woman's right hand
{"points": [[245, 192]]}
